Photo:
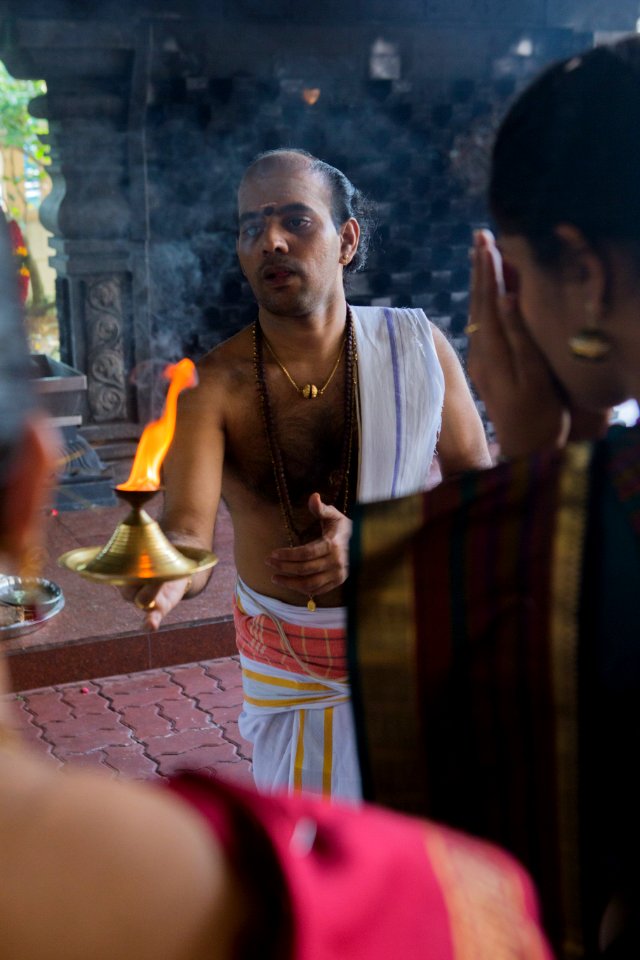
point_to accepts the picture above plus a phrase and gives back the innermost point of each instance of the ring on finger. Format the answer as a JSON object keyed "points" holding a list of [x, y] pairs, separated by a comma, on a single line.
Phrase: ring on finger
{"points": [[146, 605], [471, 328]]}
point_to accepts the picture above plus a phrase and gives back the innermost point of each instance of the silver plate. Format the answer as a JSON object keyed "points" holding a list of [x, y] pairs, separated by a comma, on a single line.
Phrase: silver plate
{"points": [[46, 600]]}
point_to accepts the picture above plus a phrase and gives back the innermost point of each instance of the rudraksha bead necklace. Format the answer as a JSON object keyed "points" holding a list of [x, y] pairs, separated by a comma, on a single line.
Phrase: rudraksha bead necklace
{"points": [[341, 494]]}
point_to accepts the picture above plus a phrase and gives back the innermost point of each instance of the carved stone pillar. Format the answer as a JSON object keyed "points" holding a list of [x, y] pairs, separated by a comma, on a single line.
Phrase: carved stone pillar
{"points": [[105, 320], [88, 213], [89, 67]]}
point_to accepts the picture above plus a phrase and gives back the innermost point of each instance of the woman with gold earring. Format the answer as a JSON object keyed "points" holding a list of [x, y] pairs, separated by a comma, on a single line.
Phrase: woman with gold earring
{"points": [[561, 342], [517, 589], [552, 354]]}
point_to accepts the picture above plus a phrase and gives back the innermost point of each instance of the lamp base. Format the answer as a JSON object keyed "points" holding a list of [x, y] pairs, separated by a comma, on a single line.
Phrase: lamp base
{"points": [[83, 561], [138, 551]]}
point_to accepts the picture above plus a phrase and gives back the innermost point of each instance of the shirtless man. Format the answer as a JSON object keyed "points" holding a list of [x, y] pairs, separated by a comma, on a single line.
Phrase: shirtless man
{"points": [[292, 418]]}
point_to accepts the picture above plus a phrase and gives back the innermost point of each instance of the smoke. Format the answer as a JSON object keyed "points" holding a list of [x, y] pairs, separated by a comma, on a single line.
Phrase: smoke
{"points": [[414, 146]]}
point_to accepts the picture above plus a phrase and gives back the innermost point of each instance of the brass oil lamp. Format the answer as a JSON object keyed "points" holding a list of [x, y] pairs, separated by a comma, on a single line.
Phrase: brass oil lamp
{"points": [[138, 552]]}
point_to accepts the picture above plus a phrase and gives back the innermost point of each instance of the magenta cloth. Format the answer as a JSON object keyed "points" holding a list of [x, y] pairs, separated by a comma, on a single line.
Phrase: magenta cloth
{"points": [[363, 883]]}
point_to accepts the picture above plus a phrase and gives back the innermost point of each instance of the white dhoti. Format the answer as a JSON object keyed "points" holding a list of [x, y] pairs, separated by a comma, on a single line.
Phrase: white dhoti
{"points": [[300, 724], [302, 732]]}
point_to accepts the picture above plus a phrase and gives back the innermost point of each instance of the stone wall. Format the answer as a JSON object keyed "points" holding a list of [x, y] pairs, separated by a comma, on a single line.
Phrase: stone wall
{"points": [[417, 145]]}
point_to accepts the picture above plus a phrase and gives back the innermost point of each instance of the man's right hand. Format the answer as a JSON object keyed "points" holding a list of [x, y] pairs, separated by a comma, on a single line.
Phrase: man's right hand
{"points": [[156, 601], [321, 565]]}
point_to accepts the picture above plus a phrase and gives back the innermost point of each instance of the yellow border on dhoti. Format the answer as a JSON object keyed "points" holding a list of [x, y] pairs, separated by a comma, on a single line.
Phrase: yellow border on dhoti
{"points": [[285, 682], [327, 764], [299, 758]]}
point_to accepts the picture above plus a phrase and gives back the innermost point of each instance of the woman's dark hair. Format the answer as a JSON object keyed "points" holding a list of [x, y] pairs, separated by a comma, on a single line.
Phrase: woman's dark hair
{"points": [[15, 392], [568, 151], [346, 200]]}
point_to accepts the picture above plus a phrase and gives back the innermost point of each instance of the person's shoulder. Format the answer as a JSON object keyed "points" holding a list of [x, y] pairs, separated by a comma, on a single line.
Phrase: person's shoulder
{"points": [[384, 315], [380, 321], [365, 313], [230, 360], [237, 348], [83, 849], [439, 336]]}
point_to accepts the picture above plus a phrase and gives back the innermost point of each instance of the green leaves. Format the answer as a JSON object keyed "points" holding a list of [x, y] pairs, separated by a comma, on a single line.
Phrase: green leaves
{"points": [[18, 128]]}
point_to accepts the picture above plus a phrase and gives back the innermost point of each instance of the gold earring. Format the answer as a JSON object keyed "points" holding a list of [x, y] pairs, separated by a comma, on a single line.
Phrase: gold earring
{"points": [[590, 343]]}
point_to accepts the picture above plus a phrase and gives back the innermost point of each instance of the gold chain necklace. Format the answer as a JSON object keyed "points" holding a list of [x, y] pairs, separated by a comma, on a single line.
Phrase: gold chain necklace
{"points": [[309, 391], [351, 385]]}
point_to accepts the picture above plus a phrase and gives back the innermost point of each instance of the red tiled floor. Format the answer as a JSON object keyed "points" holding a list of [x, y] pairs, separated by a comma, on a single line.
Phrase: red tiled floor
{"points": [[143, 725]]}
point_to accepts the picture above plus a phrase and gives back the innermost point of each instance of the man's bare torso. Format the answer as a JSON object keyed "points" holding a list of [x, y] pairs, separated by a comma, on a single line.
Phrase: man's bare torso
{"points": [[308, 433]]}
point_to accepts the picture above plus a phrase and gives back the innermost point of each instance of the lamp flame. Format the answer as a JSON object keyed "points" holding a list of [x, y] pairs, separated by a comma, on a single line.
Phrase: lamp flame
{"points": [[157, 436]]}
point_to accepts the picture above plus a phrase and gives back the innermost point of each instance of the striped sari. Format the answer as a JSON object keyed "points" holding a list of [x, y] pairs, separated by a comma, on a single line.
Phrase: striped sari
{"points": [[493, 631]]}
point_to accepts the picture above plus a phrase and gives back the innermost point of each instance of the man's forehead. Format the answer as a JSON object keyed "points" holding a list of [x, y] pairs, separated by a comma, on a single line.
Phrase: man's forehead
{"points": [[281, 181]]}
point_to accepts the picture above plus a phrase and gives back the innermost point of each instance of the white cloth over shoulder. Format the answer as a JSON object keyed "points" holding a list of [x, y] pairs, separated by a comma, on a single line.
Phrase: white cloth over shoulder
{"points": [[401, 391]]}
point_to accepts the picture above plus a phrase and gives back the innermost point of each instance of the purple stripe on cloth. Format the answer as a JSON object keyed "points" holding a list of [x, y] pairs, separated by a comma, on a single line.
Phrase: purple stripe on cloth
{"points": [[397, 398]]}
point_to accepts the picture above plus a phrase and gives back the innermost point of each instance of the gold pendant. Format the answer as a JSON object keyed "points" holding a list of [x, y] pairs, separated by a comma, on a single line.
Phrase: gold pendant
{"points": [[309, 391], [311, 604]]}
